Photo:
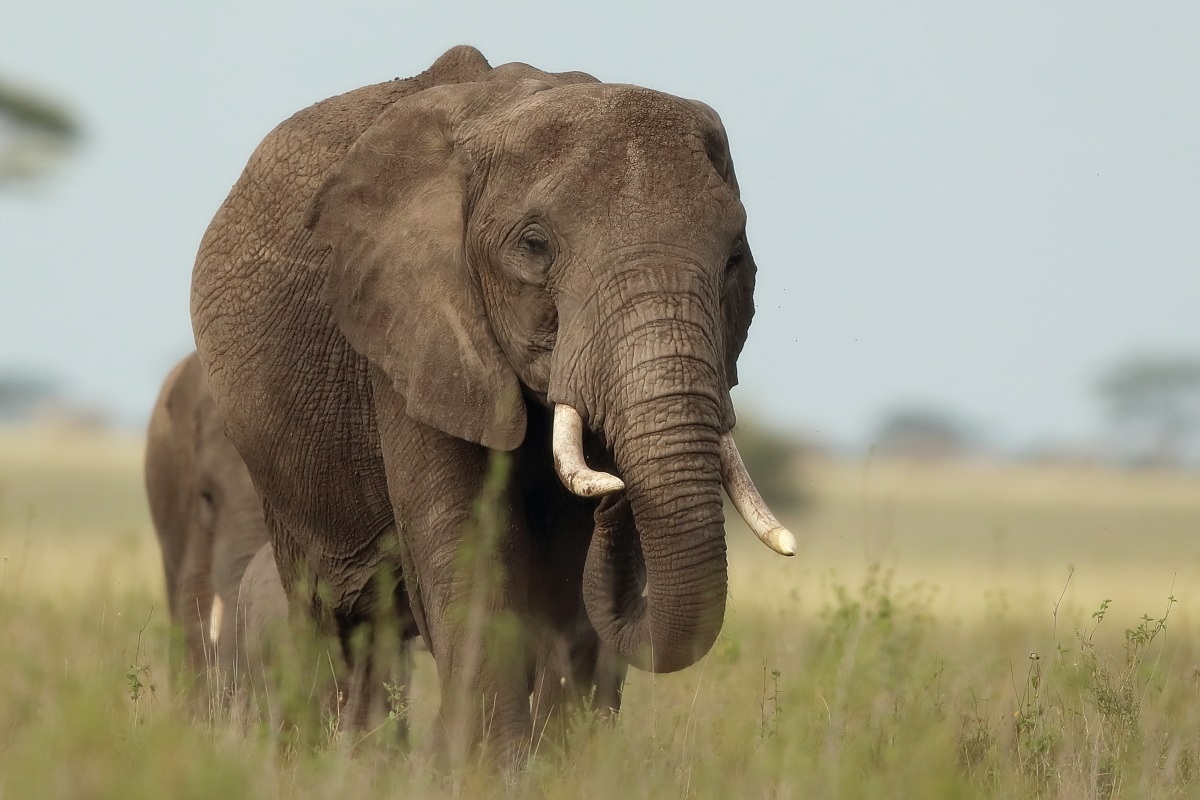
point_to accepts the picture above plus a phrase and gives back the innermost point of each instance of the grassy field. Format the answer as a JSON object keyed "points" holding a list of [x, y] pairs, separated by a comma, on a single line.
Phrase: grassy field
{"points": [[946, 631]]}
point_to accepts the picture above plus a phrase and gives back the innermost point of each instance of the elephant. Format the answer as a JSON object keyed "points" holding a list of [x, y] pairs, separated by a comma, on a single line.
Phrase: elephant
{"points": [[474, 333], [206, 514]]}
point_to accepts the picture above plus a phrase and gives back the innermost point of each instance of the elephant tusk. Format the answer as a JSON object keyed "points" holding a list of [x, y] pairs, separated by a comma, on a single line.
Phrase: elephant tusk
{"points": [[568, 457], [214, 622], [749, 502]]}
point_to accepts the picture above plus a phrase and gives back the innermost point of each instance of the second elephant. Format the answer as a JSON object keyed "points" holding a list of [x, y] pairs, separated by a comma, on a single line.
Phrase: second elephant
{"points": [[206, 514]]}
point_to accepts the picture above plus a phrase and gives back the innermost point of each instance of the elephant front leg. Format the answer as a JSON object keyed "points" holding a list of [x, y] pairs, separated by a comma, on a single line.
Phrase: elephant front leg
{"points": [[467, 554], [609, 678], [195, 602]]}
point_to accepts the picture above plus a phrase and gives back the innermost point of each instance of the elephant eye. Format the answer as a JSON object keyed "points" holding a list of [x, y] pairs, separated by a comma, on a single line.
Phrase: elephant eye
{"points": [[529, 256], [735, 257], [535, 243]]}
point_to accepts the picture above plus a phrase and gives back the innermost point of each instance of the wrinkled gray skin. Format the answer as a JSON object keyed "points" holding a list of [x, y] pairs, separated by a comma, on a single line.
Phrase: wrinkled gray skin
{"points": [[403, 282], [205, 512], [214, 543]]}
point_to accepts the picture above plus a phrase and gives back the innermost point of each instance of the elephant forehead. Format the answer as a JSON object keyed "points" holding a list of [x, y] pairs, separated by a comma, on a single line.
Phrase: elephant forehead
{"points": [[600, 145], [599, 116], [635, 104]]}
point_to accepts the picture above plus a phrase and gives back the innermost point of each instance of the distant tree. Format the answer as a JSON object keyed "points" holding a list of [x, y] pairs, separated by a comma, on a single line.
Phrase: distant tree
{"points": [[22, 395], [1153, 401], [922, 433], [34, 133]]}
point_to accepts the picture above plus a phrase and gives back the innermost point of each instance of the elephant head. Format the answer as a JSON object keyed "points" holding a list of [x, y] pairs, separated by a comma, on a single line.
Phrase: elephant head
{"points": [[205, 510], [547, 238]]}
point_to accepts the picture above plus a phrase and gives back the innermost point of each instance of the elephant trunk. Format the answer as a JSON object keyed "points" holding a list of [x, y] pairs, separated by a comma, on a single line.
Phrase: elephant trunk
{"points": [[651, 383], [663, 432]]}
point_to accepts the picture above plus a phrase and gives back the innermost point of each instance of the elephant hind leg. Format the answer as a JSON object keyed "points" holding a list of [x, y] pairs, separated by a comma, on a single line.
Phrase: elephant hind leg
{"points": [[553, 685], [358, 649], [378, 686], [609, 681], [575, 675]]}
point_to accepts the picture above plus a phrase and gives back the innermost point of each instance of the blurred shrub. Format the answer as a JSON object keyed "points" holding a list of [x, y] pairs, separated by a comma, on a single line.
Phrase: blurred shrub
{"points": [[923, 433], [773, 457], [1153, 404]]}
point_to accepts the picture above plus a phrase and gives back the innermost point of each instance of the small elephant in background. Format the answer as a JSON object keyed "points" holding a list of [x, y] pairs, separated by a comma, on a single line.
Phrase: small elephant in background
{"points": [[206, 514]]}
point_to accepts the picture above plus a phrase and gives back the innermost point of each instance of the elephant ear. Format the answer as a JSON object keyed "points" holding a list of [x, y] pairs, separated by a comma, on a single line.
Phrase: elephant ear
{"points": [[737, 307], [739, 311], [393, 214]]}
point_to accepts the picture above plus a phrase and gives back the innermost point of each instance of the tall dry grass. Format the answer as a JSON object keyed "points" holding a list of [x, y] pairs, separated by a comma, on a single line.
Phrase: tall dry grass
{"points": [[944, 632]]}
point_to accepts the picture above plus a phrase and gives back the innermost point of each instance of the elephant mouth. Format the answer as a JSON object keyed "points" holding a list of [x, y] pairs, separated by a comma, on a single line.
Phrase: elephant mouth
{"points": [[581, 480]]}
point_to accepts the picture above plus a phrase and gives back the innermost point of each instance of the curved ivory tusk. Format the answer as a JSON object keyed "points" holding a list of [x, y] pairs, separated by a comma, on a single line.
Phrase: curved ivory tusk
{"points": [[572, 470], [749, 502]]}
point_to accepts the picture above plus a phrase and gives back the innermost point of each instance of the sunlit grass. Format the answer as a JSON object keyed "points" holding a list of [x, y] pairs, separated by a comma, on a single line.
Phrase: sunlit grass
{"points": [[979, 533], [944, 632]]}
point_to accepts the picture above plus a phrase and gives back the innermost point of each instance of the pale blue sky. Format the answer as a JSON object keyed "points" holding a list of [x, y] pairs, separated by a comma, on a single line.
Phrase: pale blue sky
{"points": [[978, 206]]}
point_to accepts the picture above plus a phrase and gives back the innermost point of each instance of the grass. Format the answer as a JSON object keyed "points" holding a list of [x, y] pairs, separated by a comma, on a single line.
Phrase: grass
{"points": [[952, 632]]}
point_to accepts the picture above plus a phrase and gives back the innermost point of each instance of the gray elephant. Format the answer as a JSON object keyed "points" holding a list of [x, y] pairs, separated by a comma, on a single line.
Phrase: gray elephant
{"points": [[206, 514], [474, 333]]}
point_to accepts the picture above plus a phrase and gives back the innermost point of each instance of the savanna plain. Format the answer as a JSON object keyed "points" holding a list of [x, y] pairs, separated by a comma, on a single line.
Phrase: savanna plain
{"points": [[946, 631]]}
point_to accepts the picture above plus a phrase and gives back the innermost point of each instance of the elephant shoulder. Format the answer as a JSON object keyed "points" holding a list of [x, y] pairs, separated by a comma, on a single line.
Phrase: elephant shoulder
{"points": [[332, 125], [294, 157]]}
